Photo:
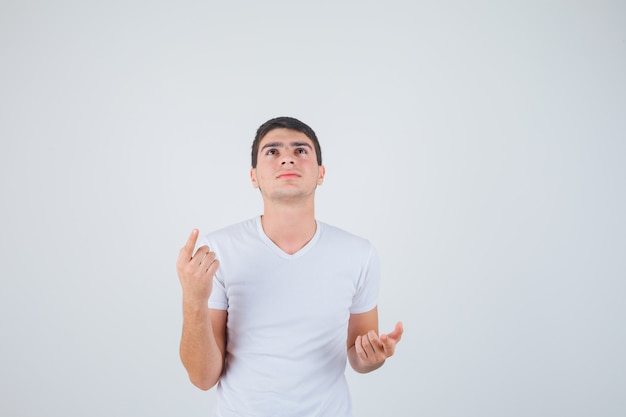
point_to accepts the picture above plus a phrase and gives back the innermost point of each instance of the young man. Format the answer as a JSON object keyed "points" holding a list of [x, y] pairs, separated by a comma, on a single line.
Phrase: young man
{"points": [[274, 306]]}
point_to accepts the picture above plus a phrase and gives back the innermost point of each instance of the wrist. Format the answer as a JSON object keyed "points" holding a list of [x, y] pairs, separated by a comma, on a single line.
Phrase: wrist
{"points": [[195, 306]]}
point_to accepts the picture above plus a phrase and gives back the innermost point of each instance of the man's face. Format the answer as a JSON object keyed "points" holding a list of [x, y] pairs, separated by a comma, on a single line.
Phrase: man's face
{"points": [[286, 166]]}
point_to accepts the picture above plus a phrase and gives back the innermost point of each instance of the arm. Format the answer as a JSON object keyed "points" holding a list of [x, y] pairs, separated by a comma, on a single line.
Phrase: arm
{"points": [[367, 350], [203, 340]]}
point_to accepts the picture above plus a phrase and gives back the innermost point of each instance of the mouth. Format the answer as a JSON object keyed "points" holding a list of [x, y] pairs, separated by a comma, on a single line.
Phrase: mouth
{"points": [[288, 175]]}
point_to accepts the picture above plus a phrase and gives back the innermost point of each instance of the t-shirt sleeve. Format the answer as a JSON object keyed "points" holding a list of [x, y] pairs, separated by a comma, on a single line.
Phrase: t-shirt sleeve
{"points": [[366, 296], [218, 300]]}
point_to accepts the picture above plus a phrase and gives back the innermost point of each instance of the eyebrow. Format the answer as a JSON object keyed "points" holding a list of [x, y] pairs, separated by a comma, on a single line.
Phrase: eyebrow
{"points": [[280, 145]]}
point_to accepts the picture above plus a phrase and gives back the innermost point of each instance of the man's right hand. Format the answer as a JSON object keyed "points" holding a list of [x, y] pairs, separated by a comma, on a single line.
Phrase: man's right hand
{"points": [[196, 270]]}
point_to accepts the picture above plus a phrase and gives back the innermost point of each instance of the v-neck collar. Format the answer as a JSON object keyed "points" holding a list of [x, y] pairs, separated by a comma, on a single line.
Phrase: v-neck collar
{"points": [[276, 249]]}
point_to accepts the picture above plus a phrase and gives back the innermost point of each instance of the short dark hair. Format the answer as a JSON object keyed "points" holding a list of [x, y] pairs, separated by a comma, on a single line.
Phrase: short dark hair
{"points": [[284, 123]]}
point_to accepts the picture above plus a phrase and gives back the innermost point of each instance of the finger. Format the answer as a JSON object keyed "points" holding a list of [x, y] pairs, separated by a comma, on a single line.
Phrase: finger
{"points": [[389, 344], [396, 334], [206, 258], [187, 250], [374, 339], [212, 269], [391, 339], [201, 253], [371, 343], [358, 346]]}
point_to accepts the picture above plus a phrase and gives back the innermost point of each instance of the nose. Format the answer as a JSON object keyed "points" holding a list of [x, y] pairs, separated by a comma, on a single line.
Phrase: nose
{"points": [[287, 160]]}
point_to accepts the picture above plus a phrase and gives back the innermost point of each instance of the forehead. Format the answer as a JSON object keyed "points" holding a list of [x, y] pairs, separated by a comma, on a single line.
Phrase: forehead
{"points": [[284, 137]]}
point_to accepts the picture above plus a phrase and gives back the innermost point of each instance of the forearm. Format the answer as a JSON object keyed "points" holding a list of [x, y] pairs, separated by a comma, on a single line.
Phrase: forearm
{"points": [[200, 352], [358, 365]]}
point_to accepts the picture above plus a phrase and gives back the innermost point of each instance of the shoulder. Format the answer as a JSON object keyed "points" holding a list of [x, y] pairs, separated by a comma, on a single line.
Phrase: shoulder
{"points": [[347, 239], [235, 231]]}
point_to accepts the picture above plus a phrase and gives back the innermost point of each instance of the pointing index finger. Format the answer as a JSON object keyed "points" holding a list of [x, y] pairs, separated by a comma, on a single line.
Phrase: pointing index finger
{"points": [[187, 250]]}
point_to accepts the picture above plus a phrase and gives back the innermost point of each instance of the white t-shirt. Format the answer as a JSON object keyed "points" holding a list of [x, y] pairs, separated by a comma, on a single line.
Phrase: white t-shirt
{"points": [[288, 319]]}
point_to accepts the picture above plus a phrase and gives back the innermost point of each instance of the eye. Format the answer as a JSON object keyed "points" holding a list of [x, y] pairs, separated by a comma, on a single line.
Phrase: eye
{"points": [[272, 152], [301, 151]]}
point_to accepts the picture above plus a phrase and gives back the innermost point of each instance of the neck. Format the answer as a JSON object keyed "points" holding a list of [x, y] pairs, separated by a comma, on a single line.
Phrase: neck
{"points": [[289, 227]]}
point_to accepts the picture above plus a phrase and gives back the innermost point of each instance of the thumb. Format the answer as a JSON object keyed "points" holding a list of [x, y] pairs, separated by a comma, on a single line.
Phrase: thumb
{"points": [[396, 334]]}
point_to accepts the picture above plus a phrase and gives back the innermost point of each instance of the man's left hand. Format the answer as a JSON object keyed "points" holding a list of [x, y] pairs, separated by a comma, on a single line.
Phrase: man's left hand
{"points": [[372, 349]]}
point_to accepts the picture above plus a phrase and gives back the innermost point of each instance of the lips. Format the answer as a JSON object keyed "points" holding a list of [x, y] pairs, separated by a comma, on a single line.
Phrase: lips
{"points": [[288, 174]]}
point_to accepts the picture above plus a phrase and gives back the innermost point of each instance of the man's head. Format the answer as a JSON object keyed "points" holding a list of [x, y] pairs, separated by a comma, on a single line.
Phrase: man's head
{"points": [[284, 123]]}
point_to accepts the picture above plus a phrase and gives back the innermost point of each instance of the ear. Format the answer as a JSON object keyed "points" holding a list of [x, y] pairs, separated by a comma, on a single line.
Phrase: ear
{"points": [[255, 184], [322, 172]]}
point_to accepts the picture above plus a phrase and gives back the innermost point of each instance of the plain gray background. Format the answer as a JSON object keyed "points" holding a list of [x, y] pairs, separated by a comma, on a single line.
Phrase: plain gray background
{"points": [[479, 145]]}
